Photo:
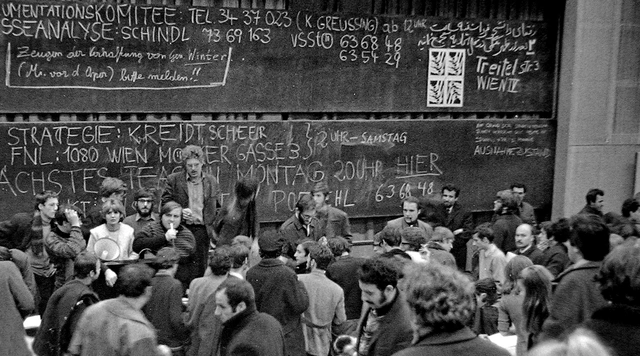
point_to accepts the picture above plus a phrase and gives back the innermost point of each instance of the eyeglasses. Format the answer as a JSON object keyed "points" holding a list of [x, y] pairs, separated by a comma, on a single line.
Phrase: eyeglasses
{"points": [[145, 201]]}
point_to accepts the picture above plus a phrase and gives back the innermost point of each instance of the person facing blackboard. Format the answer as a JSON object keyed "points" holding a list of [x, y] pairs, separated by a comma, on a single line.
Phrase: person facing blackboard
{"points": [[239, 216]]}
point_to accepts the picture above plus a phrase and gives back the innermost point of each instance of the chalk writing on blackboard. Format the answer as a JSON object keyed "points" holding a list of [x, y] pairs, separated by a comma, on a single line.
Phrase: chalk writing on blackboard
{"points": [[221, 55], [370, 166]]}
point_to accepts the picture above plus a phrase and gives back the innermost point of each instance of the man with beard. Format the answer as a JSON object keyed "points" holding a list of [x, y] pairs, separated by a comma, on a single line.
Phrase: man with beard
{"points": [[459, 221], [144, 203], [385, 325]]}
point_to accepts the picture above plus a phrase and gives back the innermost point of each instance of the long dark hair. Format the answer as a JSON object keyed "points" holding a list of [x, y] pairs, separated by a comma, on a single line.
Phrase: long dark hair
{"points": [[537, 295]]}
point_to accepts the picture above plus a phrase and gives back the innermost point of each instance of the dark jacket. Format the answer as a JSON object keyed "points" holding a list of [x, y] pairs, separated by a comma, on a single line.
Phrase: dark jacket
{"points": [[250, 333], [230, 224], [574, 300], [335, 222], [293, 232], [440, 255], [555, 259], [177, 190], [504, 230], [462, 342], [344, 271], [394, 331], [63, 249], [61, 316], [533, 253], [460, 218], [152, 237], [588, 209], [281, 295], [618, 326], [527, 213], [164, 310]]}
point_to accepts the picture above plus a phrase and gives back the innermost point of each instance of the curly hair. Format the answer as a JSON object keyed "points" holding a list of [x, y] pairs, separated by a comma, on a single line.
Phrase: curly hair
{"points": [[338, 245], [508, 200], [220, 262], [322, 255], [192, 151], [442, 298], [619, 276], [380, 271]]}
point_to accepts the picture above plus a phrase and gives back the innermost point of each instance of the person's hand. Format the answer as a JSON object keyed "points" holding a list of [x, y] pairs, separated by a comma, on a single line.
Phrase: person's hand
{"points": [[171, 234], [187, 215], [425, 253], [323, 241], [72, 217], [110, 277], [164, 350]]}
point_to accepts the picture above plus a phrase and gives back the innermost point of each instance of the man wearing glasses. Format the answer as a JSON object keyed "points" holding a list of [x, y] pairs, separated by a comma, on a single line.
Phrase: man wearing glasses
{"points": [[144, 202]]}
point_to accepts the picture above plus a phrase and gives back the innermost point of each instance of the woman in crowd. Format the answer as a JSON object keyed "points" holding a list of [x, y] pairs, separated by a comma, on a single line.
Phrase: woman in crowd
{"points": [[114, 230], [535, 281], [485, 320], [239, 216], [112, 233], [510, 305], [169, 232], [302, 256]]}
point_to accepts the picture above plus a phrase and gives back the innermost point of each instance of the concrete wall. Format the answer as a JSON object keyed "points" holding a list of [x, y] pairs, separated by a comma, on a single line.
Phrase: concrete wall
{"points": [[599, 103]]}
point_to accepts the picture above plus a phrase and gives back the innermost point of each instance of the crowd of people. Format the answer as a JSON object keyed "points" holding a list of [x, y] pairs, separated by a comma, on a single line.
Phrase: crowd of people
{"points": [[193, 277]]}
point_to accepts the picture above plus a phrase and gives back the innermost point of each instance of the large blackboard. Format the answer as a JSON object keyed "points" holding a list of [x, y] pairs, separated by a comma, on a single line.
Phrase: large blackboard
{"points": [[369, 165], [105, 57]]}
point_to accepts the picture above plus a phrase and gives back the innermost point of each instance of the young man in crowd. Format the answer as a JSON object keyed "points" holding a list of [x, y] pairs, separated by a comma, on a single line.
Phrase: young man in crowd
{"points": [[577, 295], [65, 307], [198, 194], [278, 291], [595, 202], [492, 260], [385, 326], [65, 242], [144, 202], [26, 232], [164, 309], [245, 331], [459, 221], [99, 329], [334, 220], [326, 302]]}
